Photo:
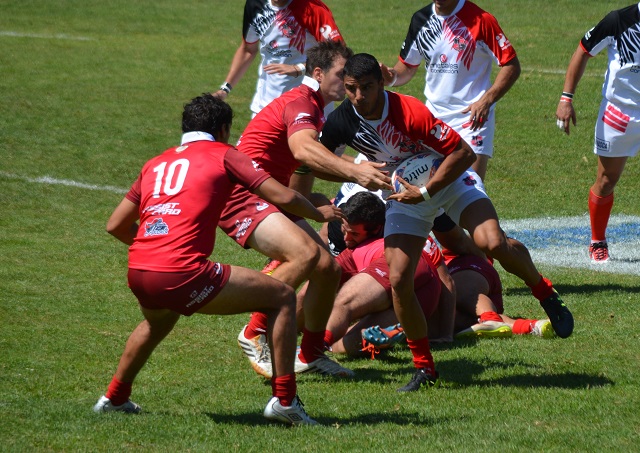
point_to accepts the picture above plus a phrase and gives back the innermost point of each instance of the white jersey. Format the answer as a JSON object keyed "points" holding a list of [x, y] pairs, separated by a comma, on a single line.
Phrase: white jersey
{"points": [[459, 51], [619, 32], [285, 33]]}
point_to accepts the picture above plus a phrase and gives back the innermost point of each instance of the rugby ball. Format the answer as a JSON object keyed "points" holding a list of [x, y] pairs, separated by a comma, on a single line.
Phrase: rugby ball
{"points": [[416, 170]]}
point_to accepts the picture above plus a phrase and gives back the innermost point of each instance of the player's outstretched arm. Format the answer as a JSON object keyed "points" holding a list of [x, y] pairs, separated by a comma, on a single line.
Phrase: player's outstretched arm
{"points": [[293, 202], [122, 223], [306, 149]]}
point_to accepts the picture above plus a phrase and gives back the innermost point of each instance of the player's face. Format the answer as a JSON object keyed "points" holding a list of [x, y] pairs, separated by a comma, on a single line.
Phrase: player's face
{"points": [[367, 95], [354, 234], [331, 83]]}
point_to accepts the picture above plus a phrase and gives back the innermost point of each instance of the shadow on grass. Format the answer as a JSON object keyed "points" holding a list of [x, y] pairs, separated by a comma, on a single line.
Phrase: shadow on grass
{"points": [[395, 418], [462, 373]]}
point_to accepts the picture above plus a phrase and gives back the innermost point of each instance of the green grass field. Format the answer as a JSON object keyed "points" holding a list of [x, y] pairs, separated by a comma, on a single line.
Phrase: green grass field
{"points": [[90, 90]]}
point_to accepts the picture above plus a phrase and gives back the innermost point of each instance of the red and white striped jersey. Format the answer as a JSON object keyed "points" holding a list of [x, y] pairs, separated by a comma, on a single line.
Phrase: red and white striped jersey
{"points": [[459, 51]]}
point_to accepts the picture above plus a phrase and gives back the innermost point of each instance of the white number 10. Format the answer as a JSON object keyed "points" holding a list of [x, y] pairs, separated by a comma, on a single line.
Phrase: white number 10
{"points": [[171, 186]]}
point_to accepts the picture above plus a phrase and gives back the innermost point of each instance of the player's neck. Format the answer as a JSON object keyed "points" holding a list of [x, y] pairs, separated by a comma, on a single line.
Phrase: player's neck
{"points": [[279, 3]]}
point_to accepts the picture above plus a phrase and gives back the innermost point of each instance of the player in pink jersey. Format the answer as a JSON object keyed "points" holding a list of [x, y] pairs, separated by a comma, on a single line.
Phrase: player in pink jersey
{"points": [[282, 135], [178, 197], [617, 130], [365, 290], [459, 43]]}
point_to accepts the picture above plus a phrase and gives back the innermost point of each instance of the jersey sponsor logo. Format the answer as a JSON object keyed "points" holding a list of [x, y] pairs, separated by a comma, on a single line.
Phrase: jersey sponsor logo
{"points": [[243, 227], [461, 40], [301, 116], [503, 42], [443, 58], [477, 140], [603, 145], [459, 44], [261, 206], [380, 272], [156, 228], [256, 166], [469, 181], [440, 132], [197, 298], [163, 209], [328, 33]]}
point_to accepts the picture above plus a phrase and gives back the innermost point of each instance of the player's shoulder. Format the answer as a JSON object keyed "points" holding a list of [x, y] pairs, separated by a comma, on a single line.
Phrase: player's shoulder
{"points": [[406, 100], [421, 16]]}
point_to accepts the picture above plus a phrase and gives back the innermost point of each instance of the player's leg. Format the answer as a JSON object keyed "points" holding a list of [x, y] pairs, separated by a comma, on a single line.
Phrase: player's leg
{"points": [[138, 348], [358, 297], [402, 252], [480, 165], [601, 197], [481, 220]]}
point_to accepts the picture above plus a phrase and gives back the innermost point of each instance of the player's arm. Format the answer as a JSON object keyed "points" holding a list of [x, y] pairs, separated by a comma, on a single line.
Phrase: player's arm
{"points": [[506, 77], [123, 221], [399, 75], [293, 202], [451, 168], [241, 61], [306, 148], [577, 66]]}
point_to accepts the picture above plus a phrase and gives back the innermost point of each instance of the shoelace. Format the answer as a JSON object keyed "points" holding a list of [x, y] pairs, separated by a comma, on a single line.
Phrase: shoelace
{"points": [[599, 251], [370, 348], [265, 353]]}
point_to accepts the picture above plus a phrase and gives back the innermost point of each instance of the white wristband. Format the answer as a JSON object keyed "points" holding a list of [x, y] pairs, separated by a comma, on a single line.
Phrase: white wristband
{"points": [[301, 68], [425, 193]]}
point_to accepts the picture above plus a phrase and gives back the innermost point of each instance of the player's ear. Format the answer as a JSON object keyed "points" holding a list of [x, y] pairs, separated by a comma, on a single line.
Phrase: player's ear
{"points": [[224, 134], [318, 74]]}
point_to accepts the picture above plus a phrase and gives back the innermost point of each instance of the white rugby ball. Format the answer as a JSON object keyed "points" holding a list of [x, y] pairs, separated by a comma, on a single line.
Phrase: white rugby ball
{"points": [[416, 170]]}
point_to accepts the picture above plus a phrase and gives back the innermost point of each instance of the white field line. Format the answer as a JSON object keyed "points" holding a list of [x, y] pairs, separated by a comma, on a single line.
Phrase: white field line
{"points": [[554, 241], [15, 34]]}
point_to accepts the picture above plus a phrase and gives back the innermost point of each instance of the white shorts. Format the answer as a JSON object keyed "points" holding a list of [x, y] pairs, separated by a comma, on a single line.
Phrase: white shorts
{"points": [[417, 219], [617, 131], [481, 140]]}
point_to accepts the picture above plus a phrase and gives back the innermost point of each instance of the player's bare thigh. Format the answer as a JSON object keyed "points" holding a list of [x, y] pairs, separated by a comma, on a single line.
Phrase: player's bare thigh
{"points": [[361, 295]]}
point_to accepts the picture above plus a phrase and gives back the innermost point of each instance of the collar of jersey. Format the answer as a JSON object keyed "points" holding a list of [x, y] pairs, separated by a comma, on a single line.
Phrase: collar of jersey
{"points": [[195, 136]]}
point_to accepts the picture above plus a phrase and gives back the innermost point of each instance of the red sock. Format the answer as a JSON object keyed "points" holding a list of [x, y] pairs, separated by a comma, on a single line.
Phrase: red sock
{"points": [[599, 213], [119, 392], [422, 357], [257, 325], [542, 289], [312, 345], [523, 326], [328, 339], [490, 316], [284, 388]]}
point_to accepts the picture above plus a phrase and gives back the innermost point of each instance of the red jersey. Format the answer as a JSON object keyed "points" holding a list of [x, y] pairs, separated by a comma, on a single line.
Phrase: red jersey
{"points": [[180, 194], [265, 139]]}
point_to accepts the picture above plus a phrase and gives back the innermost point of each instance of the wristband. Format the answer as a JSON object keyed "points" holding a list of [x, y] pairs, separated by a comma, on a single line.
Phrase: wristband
{"points": [[425, 193], [301, 68], [226, 87], [566, 97]]}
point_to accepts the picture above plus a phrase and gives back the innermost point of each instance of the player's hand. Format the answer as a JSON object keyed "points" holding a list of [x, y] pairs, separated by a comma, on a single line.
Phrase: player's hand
{"points": [[369, 175], [410, 195], [478, 114], [281, 68], [221, 94], [564, 113], [388, 74], [330, 213]]}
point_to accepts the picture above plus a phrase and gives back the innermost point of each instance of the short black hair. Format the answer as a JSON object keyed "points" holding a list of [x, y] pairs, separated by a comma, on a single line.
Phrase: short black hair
{"points": [[323, 55], [365, 208], [361, 65], [206, 113]]}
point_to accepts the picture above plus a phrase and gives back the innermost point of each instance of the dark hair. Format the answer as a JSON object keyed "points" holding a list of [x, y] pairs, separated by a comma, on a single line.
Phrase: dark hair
{"points": [[365, 208], [324, 54], [206, 113], [361, 65]]}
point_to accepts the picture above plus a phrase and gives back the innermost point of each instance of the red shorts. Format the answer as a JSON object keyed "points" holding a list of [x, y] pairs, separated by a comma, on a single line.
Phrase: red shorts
{"points": [[244, 212], [427, 284], [484, 268], [182, 292]]}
